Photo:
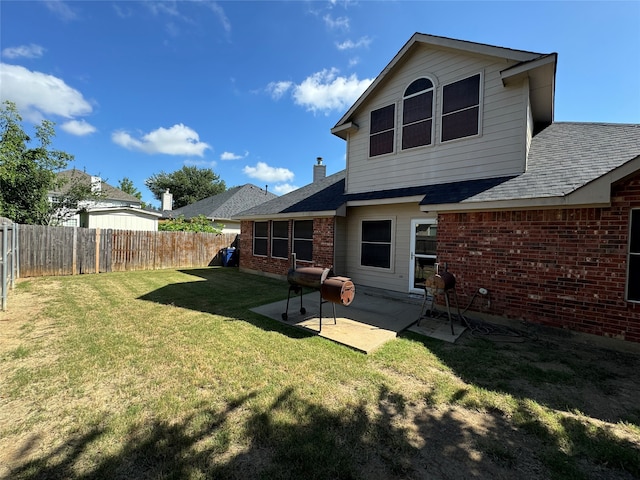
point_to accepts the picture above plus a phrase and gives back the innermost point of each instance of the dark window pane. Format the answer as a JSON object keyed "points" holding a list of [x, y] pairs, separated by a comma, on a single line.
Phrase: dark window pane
{"points": [[633, 282], [376, 255], [461, 124], [280, 248], [376, 231], [634, 234], [303, 249], [303, 229], [260, 246], [381, 143], [462, 94], [416, 135], [418, 86], [382, 119], [417, 108], [260, 229], [280, 229]]}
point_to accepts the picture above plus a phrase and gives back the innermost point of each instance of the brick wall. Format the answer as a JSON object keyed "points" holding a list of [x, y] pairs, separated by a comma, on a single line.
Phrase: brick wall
{"points": [[562, 267], [323, 237]]}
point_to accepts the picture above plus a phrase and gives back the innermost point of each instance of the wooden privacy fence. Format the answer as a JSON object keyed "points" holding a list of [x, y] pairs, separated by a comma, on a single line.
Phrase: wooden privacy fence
{"points": [[8, 259], [47, 250]]}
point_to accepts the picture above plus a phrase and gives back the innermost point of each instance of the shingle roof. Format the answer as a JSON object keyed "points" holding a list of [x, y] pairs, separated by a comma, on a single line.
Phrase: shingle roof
{"points": [[110, 192], [565, 157], [320, 196], [225, 205], [562, 158]]}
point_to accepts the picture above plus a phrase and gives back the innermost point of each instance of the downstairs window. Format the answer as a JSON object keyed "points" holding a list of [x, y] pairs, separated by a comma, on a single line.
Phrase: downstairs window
{"points": [[633, 259]]}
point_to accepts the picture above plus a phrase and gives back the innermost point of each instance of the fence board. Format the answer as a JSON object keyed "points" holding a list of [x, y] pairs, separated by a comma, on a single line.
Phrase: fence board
{"points": [[47, 250]]}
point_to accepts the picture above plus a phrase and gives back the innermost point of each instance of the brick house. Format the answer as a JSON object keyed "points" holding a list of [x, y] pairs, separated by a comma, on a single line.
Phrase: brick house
{"points": [[453, 158]]}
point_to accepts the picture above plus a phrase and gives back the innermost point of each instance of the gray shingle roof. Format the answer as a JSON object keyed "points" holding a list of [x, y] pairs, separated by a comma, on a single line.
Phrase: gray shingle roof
{"points": [[320, 196], [225, 205], [567, 156], [110, 192], [562, 158]]}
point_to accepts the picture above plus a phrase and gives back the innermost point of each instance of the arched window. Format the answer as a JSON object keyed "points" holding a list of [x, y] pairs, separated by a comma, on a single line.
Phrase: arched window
{"points": [[417, 114]]}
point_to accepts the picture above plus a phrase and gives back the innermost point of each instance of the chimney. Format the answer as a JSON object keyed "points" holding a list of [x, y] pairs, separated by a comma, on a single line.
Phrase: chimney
{"points": [[319, 170], [167, 200], [96, 184]]}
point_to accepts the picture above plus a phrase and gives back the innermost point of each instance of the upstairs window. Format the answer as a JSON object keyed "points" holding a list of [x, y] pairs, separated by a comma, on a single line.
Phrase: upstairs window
{"points": [[381, 137], [303, 239], [633, 261], [280, 239], [260, 238], [417, 114], [461, 108]]}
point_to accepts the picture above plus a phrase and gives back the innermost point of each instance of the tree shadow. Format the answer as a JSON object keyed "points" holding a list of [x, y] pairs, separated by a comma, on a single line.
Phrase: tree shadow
{"points": [[289, 438]]}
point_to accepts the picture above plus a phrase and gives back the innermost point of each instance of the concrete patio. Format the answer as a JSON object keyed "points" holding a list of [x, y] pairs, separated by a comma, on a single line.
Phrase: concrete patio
{"points": [[373, 318]]}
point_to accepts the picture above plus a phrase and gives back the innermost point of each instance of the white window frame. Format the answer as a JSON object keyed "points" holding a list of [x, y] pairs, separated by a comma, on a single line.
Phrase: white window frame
{"points": [[391, 267], [294, 239], [273, 237], [631, 254], [441, 115], [261, 238], [433, 90], [392, 129]]}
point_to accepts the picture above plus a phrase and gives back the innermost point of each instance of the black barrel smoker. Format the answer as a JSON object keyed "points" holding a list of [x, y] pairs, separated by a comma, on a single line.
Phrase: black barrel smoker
{"points": [[333, 289]]}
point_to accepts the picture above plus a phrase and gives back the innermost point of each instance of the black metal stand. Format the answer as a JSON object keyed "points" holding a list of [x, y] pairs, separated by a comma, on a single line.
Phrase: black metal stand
{"points": [[432, 309], [296, 289], [335, 320]]}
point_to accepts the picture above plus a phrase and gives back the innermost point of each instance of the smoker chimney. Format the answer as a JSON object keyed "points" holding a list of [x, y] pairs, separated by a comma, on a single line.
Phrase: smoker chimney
{"points": [[319, 170], [167, 200]]}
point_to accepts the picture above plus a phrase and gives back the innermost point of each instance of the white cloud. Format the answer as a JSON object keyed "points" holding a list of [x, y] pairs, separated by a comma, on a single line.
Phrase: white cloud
{"points": [[61, 9], [278, 89], [264, 172], [38, 94], [336, 23], [177, 140], [78, 127], [284, 188], [326, 91], [233, 156], [24, 51], [350, 44]]}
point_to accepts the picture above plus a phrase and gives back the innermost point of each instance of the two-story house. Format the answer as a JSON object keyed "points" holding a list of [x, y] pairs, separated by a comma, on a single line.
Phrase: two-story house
{"points": [[454, 159]]}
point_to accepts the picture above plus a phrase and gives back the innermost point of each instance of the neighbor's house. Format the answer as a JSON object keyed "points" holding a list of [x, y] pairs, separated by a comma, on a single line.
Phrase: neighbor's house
{"points": [[223, 207], [109, 207], [453, 158]]}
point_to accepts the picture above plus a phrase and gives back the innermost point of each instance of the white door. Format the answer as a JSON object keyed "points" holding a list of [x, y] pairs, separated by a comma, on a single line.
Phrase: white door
{"points": [[423, 252]]}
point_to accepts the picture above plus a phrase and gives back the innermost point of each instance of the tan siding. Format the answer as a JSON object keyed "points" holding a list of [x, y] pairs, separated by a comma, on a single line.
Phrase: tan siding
{"points": [[499, 150], [397, 279]]}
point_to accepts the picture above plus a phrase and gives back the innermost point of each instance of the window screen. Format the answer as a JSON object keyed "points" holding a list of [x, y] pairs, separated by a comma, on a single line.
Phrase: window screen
{"points": [[461, 108], [417, 114], [382, 131], [376, 243], [303, 239], [260, 238], [280, 239], [633, 277]]}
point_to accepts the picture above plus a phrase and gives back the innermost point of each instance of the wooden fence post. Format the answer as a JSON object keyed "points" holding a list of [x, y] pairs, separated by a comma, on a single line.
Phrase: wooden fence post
{"points": [[97, 250]]}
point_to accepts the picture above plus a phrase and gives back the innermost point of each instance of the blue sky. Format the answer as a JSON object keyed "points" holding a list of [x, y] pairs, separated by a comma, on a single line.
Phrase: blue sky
{"points": [[252, 89]]}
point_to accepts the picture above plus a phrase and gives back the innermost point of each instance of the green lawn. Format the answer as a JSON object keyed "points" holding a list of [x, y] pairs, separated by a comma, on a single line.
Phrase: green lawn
{"points": [[167, 374]]}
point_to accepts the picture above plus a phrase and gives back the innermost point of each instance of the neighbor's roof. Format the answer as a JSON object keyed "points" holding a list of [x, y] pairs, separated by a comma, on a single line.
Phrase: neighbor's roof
{"points": [[565, 160], [320, 198], [226, 205], [538, 67], [110, 193]]}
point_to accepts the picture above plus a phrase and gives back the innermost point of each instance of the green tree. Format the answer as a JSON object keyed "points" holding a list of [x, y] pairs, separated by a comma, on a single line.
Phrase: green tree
{"points": [[188, 185], [126, 185], [27, 174], [195, 224]]}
